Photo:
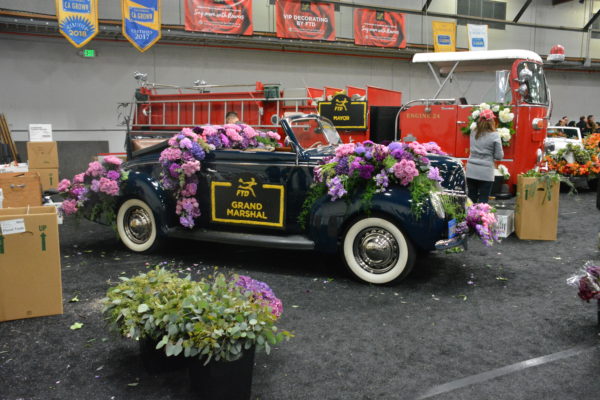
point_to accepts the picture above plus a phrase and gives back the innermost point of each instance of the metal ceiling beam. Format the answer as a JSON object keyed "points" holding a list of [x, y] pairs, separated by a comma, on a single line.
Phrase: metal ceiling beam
{"points": [[522, 10], [426, 6], [591, 21]]}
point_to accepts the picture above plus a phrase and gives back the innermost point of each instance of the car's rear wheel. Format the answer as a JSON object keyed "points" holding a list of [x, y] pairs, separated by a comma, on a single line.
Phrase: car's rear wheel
{"points": [[376, 251], [136, 226]]}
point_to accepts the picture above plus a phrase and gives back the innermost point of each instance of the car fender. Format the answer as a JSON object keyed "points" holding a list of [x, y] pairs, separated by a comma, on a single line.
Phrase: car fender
{"points": [[329, 220], [142, 185]]}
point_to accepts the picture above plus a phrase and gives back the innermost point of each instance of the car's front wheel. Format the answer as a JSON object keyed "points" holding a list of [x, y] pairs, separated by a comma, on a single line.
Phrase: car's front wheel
{"points": [[376, 251], [136, 226]]}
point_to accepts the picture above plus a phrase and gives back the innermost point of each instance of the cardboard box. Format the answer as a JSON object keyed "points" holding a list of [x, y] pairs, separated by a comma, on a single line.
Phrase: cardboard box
{"points": [[30, 274], [48, 177], [536, 213], [42, 154], [505, 223], [21, 189]]}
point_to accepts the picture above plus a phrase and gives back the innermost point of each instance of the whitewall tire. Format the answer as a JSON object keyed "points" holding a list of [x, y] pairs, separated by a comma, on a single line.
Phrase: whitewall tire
{"points": [[136, 226], [377, 252]]}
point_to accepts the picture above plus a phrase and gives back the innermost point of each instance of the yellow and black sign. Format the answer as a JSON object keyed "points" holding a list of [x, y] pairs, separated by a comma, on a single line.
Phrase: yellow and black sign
{"points": [[247, 201], [345, 113]]}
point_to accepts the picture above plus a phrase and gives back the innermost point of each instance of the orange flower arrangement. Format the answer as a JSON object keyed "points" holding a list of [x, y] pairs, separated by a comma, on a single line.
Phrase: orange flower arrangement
{"points": [[592, 142], [591, 167]]}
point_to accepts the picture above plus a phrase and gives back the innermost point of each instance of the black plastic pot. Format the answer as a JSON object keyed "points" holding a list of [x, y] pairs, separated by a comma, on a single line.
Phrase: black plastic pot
{"points": [[156, 361], [227, 380]]}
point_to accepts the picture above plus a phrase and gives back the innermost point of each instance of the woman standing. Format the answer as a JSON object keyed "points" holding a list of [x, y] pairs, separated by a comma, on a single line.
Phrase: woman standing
{"points": [[486, 147]]}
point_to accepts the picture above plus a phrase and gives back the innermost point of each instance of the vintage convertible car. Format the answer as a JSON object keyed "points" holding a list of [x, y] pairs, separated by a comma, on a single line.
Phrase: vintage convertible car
{"points": [[254, 198]]}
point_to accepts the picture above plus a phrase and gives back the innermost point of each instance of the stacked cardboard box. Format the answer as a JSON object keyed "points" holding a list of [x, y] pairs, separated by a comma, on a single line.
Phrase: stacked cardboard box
{"points": [[30, 274], [43, 159]]}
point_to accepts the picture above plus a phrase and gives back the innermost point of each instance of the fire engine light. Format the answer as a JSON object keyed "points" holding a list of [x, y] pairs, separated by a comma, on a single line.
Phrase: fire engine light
{"points": [[537, 124], [557, 54]]}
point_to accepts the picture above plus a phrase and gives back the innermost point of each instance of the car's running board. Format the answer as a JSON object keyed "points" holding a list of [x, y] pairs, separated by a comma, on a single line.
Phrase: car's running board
{"points": [[295, 242]]}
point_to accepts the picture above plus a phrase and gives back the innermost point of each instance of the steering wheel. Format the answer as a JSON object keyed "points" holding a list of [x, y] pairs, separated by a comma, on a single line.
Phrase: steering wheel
{"points": [[315, 144]]}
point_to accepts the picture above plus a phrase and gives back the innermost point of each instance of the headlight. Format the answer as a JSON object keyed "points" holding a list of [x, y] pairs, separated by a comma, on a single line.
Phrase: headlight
{"points": [[436, 202]]}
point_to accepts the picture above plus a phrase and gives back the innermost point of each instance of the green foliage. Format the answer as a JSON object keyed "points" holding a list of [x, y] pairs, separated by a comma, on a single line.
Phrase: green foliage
{"points": [[315, 192], [420, 189], [580, 154], [547, 180], [209, 319], [453, 207]]}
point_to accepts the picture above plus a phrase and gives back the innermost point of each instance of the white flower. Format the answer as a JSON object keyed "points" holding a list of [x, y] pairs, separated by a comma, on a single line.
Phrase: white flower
{"points": [[475, 114], [506, 116], [504, 134], [503, 170], [484, 106], [473, 126], [496, 108]]}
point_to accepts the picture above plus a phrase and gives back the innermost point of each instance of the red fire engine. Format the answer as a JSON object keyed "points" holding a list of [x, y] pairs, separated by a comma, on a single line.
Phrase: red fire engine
{"points": [[520, 83], [364, 113]]}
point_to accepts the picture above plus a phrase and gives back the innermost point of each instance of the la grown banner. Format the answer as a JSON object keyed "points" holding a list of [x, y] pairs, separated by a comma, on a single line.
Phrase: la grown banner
{"points": [[232, 17], [379, 28], [305, 20]]}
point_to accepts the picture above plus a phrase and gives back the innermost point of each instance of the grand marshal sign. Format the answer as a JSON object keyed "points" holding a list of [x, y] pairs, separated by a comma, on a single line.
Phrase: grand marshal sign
{"points": [[245, 200]]}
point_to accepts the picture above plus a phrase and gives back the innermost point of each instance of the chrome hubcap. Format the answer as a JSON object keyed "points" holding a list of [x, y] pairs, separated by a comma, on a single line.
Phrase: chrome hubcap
{"points": [[376, 250], [138, 225]]}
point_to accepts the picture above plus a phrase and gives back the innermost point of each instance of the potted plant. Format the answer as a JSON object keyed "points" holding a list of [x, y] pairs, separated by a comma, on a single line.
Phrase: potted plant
{"points": [[214, 324], [221, 323], [133, 306]]}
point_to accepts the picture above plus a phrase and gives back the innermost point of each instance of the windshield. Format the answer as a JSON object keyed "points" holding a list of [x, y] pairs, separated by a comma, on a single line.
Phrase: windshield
{"points": [[311, 132], [562, 132], [535, 81]]}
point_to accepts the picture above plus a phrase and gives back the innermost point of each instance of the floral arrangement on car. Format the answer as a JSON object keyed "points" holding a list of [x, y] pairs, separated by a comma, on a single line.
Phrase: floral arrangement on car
{"points": [[504, 117], [480, 219], [587, 281], [592, 142], [181, 160], [573, 160], [98, 185], [369, 168]]}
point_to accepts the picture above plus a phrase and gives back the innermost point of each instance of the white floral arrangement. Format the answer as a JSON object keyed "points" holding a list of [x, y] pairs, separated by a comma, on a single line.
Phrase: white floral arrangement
{"points": [[503, 170], [505, 120]]}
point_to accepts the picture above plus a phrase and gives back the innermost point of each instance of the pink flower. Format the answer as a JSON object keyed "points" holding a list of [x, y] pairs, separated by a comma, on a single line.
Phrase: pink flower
{"points": [[417, 148], [95, 169], [208, 130], [170, 154], [113, 160], [345, 150], [190, 167], [434, 148], [235, 127], [189, 133], [69, 206], [173, 141], [233, 135], [64, 185], [189, 190], [108, 186], [185, 143], [273, 135], [249, 131], [405, 171], [95, 185], [79, 178]]}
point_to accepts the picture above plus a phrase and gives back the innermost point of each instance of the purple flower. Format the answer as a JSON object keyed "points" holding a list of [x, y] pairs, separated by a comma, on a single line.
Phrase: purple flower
{"points": [[336, 188], [261, 293], [382, 180], [342, 166], [95, 186], [366, 171], [197, 151], [186, 221], [434, 174], [174, 170], [189, 190], [114, 175]]}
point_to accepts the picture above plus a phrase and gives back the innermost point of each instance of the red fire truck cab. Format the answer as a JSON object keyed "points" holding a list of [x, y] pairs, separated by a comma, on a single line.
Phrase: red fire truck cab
{"points": [[519, 82]]}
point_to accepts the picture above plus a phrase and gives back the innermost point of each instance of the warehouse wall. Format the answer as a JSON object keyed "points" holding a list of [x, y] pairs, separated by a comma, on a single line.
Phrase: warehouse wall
{"points": [[43, 80]]}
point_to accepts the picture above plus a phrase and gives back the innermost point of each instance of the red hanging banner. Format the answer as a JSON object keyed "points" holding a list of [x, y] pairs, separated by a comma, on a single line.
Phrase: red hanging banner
{"points": [[379, 28], [232, 17], [305, 20]]}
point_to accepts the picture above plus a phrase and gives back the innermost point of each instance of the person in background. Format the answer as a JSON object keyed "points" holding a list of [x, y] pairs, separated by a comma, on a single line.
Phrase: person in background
{"points": [[581, 124], [232, 118], [563, 121], [486, 147], [591, 125], [571, 123]]}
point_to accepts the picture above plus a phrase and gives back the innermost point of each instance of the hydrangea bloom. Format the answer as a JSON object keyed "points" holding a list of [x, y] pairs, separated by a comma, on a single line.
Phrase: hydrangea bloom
{"points": [[95, 169], [108, 186], [261, 293], [434, 174], [405, 171], [482, 220], [64, 185], [113, 160], [336, 188]]}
